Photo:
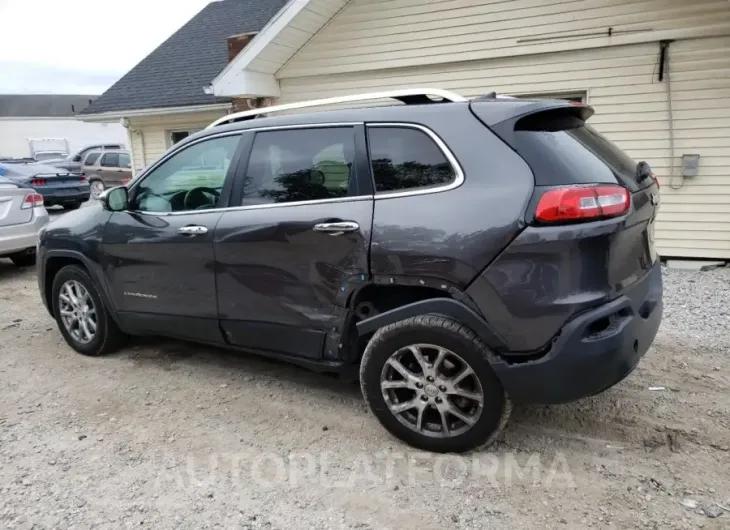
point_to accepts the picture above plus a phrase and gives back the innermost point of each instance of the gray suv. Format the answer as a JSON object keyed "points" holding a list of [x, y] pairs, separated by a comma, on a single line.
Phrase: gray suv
{"points": [[454, 255]]}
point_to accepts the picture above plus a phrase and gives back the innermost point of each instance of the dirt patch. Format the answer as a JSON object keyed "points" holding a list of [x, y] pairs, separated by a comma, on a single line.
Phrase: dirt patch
{"points": [[170, 435]]}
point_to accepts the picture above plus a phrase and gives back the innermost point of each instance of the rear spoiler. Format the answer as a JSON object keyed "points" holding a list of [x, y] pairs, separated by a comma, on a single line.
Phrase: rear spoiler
{"points": [[492, 112]]}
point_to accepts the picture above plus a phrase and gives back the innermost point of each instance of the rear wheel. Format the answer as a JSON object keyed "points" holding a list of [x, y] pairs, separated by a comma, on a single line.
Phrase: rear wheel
{"points": [[80, 313], [429, 382], [24, 259]]}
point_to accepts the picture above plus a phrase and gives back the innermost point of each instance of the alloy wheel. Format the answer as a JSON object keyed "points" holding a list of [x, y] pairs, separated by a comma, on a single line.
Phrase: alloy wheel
{"points": [[78, 312], [432, 390], [97, 188]]}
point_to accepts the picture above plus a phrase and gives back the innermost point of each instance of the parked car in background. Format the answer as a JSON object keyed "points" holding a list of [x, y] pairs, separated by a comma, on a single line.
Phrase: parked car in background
{"points": [[106, 169], [74, 161], [21, 216], [57, 186]]}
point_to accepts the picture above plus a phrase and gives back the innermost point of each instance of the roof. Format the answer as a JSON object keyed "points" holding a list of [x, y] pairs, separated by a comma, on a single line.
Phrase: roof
{"points": [[42, 105], [175, 73]]}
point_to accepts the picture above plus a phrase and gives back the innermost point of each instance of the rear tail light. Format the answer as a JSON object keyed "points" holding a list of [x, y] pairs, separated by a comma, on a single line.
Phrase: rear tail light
{"points": [[82, 178], [38, 182], [125, 182], [32, 200], [582, 203]]}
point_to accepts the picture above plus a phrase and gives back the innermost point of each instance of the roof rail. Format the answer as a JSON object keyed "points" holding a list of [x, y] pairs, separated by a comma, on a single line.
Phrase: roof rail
{"points": [[409, 96]]}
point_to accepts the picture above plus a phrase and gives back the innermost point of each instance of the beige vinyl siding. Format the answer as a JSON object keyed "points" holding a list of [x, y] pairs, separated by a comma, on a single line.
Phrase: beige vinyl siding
{"points": [[150, 136], [631, 108], [373, 35]]}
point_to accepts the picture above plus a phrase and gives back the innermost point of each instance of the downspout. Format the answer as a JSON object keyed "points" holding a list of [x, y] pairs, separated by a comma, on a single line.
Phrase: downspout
{"points": [[665, 71]]}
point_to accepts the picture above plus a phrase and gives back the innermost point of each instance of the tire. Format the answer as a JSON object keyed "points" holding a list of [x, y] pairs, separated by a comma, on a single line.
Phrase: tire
{"points": [[97, 187], [462, 344], [72, 206], [107, 336], [26, 259]]}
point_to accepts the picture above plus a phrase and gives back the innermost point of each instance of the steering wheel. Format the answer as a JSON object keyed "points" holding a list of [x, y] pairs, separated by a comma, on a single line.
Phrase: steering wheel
{"points": [[198, 197]]}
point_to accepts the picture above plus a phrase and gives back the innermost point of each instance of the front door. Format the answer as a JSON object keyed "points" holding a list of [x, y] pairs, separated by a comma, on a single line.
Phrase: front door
{"points": [[289, 257], [159, 254]]}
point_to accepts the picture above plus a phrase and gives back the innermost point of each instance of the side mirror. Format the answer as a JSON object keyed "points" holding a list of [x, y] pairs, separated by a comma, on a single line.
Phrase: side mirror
{"points": [[115, 199]]}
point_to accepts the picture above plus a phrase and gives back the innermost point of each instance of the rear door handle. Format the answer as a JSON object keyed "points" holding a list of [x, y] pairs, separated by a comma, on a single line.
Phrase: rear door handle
{"points": [[337, 228], [192, 230]]}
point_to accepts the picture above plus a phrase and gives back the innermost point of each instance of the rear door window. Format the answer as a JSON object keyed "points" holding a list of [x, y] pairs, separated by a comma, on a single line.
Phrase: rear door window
{"points": [[561, 148], [300, 165], [405, 158]]}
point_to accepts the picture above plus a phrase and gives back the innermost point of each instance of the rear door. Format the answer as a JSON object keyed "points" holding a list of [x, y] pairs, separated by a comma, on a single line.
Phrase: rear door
{"points": [[158, 255], [289, 257], [110, 170]]}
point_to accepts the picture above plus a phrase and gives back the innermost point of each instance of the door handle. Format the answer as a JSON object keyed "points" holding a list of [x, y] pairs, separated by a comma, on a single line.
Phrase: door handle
{"points": [[337, 228], [192, 230]]}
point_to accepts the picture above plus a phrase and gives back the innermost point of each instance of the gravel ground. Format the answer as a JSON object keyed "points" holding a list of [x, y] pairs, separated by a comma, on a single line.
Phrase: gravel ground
{"points": [[169, 435]]}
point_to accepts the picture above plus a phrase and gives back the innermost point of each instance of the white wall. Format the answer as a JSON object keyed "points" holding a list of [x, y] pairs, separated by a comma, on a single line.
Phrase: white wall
{"points": [[14, 133]]}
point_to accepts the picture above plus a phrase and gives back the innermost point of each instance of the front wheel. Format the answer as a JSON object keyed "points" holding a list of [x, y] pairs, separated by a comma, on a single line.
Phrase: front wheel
{"points": [[429, 381], [81, 315]]}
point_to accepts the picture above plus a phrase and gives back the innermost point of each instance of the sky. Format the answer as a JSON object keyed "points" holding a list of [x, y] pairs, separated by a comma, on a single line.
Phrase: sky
{"points": [[81, 46]]}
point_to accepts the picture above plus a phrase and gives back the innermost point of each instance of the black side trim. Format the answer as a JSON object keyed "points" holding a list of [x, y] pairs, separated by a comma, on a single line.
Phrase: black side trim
{"points": [[94, 272], [441, 306]]}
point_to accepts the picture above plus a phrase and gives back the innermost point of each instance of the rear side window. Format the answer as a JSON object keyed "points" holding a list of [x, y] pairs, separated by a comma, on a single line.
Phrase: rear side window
{"points": [[300, 165], [404, 158], [124, 160], [92, 158], [110, 160], [561, 148]]}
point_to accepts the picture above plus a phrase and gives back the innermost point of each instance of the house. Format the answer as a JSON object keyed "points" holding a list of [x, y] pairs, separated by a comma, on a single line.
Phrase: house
{"points": [[30, 123], [162, 99], [657, 73]]}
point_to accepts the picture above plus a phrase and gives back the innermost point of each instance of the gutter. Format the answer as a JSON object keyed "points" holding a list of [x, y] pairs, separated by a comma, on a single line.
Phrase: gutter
{"points": [[144, 113]]}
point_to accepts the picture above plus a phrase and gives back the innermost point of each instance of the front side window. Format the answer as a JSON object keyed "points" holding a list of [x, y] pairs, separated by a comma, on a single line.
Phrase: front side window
{"points": [[300, 165], [405, 158], [110, 160], [92, 158], [191, 179]]}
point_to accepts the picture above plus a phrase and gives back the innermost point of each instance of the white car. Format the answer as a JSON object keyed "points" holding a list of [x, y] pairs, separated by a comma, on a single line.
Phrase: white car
{"points": [[22, 215]]}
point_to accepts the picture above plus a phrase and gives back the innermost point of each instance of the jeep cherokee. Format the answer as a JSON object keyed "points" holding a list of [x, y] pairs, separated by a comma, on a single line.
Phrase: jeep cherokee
{"points": [[457, 255]]}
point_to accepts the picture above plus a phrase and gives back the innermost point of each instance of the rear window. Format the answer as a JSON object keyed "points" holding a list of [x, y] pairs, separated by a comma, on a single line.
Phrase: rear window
{"points": [[561, 148]]}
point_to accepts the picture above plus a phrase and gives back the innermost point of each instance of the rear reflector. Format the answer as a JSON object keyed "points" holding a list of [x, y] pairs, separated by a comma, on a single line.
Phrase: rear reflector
{"points": [[582, 203], [38, 182], [32, 200]]}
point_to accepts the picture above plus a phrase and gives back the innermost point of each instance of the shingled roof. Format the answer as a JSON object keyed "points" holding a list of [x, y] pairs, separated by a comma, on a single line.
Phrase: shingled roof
{"points": [[175, 73]]}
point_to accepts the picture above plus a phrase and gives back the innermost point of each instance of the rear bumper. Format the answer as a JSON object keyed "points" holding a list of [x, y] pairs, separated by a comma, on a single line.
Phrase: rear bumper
{"points": [[18, 238], [61, 197], [594, 351]]}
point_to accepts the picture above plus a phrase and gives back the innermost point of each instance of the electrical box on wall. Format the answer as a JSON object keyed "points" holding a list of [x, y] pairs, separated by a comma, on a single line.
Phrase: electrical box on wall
{"points": [[690, 165]]}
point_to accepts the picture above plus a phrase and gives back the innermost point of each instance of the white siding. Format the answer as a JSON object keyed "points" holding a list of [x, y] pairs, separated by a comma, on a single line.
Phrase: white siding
{"points": [[150, 136], [372, 35], [631, 108], [14, 133]]}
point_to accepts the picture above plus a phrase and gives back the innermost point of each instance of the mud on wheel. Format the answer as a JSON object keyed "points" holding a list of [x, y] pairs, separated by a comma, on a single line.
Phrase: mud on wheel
{"points": [[429, 382]]}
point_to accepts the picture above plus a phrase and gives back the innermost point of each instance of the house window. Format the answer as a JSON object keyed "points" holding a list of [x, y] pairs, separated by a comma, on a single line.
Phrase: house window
{"points": [[178, 136], [579, 96]]}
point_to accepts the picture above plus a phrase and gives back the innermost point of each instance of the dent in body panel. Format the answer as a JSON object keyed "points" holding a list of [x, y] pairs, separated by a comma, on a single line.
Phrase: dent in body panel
{"points": [[274, 268], [453, 235], [550, 274]]}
